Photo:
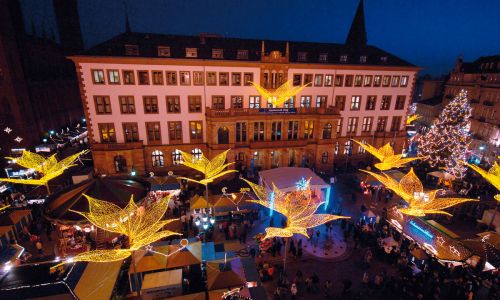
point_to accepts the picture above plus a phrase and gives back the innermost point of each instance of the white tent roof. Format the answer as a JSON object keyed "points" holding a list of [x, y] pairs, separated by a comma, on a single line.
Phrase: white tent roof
{"points": [[286, 178], [442, 175]]}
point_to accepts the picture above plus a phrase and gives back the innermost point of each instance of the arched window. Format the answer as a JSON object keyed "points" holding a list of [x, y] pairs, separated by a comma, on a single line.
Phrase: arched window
{"points": [[327, 131], [336, 148], [120, 164], [348, 147], [196, 152], [176, 157], [361, 149], [223, 135], [157, 158], [324, 158], [240, 156]]}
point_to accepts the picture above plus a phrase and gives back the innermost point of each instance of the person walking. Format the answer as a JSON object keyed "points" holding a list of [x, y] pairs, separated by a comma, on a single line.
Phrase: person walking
{"points": [[39, 247], [293, 291]]}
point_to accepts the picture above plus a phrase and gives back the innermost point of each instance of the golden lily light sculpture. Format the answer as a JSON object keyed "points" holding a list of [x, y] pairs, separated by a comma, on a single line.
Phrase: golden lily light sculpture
{"points": [[388, 160], [410, 189], [492, 176], [50, 168], [141, 226], [412, 118], [299, 208], [281, 94], [212, 169]]}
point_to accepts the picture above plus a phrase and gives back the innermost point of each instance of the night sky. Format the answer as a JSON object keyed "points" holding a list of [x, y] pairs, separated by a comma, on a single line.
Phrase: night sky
{"points": [[428, 33]]}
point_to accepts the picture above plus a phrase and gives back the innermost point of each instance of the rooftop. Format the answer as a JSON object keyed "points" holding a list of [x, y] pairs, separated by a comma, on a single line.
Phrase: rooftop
{"points": [[134, 44], [484, 64]]}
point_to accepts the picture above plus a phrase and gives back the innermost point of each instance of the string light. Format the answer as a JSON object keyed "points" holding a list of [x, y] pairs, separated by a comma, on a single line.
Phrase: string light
{"points": [[448, 140], [410, 189], [412, 118], [281, 94], [492, 176], [141, 226], [49, 167], [388, 160], [212, 169], [298, 207]]}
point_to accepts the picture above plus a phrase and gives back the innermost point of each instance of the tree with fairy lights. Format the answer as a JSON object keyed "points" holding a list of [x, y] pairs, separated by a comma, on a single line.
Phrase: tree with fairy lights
{"points": [[448, 140]]}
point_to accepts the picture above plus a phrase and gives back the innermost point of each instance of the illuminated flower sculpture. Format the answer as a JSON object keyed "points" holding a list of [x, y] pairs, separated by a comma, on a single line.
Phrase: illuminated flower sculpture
{"points": [[492, 176], [280, 95], [141, 226], [299, 207], [411, 190], [212, 169], [412, 118], [50, 168], [388, 160]]}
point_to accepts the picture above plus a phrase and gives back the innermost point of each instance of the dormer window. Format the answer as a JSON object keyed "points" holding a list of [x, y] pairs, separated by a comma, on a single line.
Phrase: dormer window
{"points": [[242, 54], [217, 53], [343, 58], [191, 52], [383, 59], [164, 51], [131, 50], [323, 57], [362, 59], [302, 56]]}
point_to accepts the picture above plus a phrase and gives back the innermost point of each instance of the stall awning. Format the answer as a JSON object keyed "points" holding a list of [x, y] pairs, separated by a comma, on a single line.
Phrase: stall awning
{"points": [[286, 178], [98, 280], [225, 275]]}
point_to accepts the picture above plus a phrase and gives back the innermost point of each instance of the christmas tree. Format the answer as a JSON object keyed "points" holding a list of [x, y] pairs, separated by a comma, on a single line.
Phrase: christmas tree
{"points": [[445, 145]]}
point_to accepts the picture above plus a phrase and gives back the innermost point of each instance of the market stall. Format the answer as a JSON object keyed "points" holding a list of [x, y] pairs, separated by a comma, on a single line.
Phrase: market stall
{"points": [[225, 275], [487, 247]]}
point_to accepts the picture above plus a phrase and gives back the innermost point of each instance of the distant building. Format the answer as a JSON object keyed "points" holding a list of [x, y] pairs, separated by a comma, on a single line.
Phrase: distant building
{"points": [[431, 88], [147, 95], [38, 87], [481, 78], [429, 110]]}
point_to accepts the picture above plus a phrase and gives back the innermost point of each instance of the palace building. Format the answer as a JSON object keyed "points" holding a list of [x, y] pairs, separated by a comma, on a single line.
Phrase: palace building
{"points": [[146, 96]]}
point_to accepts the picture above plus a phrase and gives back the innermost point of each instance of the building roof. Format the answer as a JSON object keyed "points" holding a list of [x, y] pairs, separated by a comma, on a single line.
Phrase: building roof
{"points": [[286, 178], [148, 44], [431, 101], [357, 34], [484, 64]]}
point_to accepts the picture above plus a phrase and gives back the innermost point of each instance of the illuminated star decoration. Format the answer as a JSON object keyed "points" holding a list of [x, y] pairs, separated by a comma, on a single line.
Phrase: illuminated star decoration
{"points": [[8, 130], [280, 95], [492, 176], [440, 240], [412, 191], [141, 226], [299, 208], [302, 184], [212, 169], [388, 160], [454, 250], [18, 139], [412, 118], [50, 168]]}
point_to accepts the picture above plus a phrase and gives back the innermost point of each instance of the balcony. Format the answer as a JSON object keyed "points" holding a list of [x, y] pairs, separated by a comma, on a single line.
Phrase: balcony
{"points": [[279, 144], [246, 112], [116, 146]]}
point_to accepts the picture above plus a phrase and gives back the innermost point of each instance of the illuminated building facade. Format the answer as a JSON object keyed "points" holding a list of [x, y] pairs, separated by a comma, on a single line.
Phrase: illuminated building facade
{"points": [[147, 95], [481, 78]]}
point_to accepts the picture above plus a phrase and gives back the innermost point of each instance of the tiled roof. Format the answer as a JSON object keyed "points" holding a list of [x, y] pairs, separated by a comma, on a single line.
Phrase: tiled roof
{"points": [[432, 101], [148, 43], [484, 64]]}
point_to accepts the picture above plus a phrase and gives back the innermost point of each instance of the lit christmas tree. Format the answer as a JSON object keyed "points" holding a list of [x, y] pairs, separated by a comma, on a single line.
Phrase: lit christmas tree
{"points": [[446, 143]]}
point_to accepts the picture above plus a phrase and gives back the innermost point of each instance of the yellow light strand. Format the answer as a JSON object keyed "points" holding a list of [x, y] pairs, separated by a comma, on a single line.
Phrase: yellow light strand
{"points": [[410, 189], [412, 118], [492, 176], [299, 207], [388, 160]]}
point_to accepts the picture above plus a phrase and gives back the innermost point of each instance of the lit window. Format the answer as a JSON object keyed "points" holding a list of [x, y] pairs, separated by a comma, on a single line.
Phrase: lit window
{"points": [[318, 80], [197, 154], [131, 50], [355, 102], [348, 147], [164, 51], [98, 76], [176, 158], [302, 56], [191, 52], [217, 53], [352, 124], [254, 101], [362, 59], [404, 81], [113, 76], [383, 59], [343, 58], [185, 77], [242, 54], [324, 158], [305, 101], [323, 57], [157, 158]]}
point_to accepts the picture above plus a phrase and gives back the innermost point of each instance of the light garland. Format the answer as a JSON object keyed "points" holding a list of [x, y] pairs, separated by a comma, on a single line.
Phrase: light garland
{"points": [[492, 176], [298, 207], [141, 226], [49, 167], [410, 189], [280, 95], [388, 160], [448, 140], [212, 169]]}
